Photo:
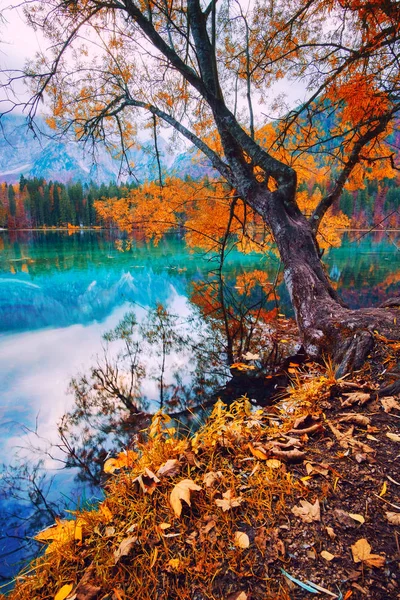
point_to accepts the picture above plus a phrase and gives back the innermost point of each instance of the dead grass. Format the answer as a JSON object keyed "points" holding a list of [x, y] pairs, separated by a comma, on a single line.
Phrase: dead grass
{"points": [[134, 545]]}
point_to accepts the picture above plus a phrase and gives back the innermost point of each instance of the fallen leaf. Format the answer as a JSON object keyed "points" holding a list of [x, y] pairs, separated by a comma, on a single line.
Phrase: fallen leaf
{"points": [[393, 518], [237, 596], [124, 548], [241, 539], [63, 592], [390, 403], [330, 532], [211, 477], [295, 455], [164, 526], [355, 398], [344, 518], [327, 555], [356, 418], [105, 512], [228, 501], [273, 463], [357, 517], [170, 468], [62, 532], [395, 437], [383, 490], [361, 551], [124, 459], [174, 563], [207, 528], [315, 469], [257, 452], [147, 481], [182, 492], [307, 512]]}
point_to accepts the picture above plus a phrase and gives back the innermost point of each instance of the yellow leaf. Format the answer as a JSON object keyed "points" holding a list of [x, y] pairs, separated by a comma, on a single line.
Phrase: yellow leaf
{"points": [[182, 492], [228, 501], [384, 489], [164, 526], [327, 555], [360, 550], [393, 518], [174, 563], [106, 512], [357, 517], [393, 436], [273, 463], [242, 539], [63, 592], [257, 452]]}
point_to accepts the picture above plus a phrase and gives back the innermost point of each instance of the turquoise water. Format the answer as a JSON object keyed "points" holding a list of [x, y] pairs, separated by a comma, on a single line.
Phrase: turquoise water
{"points": [[59, 293]]}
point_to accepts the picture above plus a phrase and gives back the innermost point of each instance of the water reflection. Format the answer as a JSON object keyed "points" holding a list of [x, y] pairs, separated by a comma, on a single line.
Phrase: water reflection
{"points": [[60, 293]]}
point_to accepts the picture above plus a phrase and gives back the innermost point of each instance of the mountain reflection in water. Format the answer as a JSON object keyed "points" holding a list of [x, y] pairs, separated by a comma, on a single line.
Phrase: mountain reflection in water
{"points": [[59, 293]]}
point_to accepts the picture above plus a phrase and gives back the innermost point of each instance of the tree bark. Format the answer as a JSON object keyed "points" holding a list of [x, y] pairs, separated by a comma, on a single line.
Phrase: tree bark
{"points": [[326, 326]]}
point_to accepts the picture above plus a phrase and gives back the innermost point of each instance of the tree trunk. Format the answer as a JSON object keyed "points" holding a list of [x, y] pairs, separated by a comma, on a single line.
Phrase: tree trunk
{"points": [[326, 326]]}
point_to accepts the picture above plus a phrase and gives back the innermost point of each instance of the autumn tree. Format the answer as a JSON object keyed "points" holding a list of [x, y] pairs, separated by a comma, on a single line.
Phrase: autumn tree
{"points": [[201, 68]]}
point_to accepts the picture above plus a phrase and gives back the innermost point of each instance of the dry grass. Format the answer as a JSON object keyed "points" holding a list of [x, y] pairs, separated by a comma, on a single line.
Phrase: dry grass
{"points": [[194, 556]]}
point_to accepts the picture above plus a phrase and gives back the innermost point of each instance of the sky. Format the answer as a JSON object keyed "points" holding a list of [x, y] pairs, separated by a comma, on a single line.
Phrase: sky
{"points": [[18, 43]]}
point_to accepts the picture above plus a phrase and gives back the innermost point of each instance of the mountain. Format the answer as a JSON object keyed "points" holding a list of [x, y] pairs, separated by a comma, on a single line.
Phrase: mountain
{"points": [[23, 153]]}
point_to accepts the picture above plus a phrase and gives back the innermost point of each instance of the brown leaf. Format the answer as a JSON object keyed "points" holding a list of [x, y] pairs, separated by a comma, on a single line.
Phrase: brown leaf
{"points": [[237, 596], [228, 501], [85, 589], [170, 468], [313, 469], [290, 455], [393, 518], [356, 398], [124, 548], [307, 512], [344, 518], [355, 418], [389, 403], [211, 477], [147, 481], [241, 539], [361, 551], [181, 492]]}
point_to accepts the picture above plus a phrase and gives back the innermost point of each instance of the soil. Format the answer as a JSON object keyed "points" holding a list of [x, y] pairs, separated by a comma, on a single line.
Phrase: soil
{"points": [[356, 460]]}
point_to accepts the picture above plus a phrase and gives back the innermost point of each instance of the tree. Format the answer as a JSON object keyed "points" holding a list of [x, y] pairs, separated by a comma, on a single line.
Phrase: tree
{"points": [[200, 68]]}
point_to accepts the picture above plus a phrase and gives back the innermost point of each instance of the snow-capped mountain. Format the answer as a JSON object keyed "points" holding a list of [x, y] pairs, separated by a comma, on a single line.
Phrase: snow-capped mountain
{"points": [[23, 153]]}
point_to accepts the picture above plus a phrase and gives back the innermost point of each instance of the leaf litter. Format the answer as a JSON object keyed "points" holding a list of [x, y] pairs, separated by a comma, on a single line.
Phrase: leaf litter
{"points": [[245, 517]]}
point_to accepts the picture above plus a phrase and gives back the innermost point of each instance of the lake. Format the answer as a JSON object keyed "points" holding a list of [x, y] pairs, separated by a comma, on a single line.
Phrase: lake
{"points": [[60, 292]]}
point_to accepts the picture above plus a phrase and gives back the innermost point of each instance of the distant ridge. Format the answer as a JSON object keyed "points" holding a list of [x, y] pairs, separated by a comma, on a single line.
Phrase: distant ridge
{"points": [[21, 153]]}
